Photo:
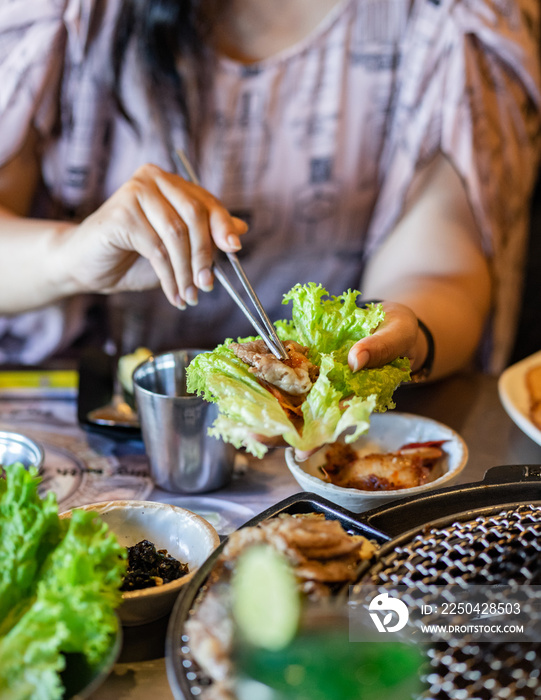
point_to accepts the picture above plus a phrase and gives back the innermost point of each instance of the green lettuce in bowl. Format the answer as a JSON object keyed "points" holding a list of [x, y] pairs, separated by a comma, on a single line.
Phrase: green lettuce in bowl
{"points": [[339, 402], [59, 588]]}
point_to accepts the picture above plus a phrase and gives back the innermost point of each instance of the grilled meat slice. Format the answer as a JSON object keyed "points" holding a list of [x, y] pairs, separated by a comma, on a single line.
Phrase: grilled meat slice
{"points": [[294, 376], [322, 555], [407, 467]]}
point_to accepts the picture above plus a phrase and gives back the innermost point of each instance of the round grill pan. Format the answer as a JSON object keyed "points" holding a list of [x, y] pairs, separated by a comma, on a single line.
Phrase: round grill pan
{"points": [[498, 547], [487, 532]]}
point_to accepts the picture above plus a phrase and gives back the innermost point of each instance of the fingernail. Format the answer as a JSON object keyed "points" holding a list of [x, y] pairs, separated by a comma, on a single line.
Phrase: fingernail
{"points": [[191, 296], [240, 224], [205, 281], [179, 303], [360, 360], [233, 241]]}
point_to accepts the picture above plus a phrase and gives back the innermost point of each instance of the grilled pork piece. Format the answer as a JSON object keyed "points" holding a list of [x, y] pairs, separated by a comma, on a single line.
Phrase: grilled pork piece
{"points": [[322, 554], [211, 636], [409, 466], [294, 376]]}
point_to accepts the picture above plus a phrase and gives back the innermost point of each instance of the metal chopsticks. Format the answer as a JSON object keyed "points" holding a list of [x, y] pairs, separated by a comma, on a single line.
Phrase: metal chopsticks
{"points": [[265, 329]]}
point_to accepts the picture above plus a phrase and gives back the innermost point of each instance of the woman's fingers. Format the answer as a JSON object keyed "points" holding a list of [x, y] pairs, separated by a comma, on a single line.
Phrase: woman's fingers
{"points": [[144, 242], [174, 224], [161, 236], [192, 223], [191, 250], [155, 221], [174, 237], [397, 336]]}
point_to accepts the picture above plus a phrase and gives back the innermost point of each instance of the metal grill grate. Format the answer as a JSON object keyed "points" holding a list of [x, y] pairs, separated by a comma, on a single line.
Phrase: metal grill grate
{"points": [[504, 547], [492, 549]]}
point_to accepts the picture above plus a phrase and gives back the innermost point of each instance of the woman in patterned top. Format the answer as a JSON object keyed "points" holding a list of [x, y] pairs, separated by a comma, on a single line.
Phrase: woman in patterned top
{"points": [[384, 145]]}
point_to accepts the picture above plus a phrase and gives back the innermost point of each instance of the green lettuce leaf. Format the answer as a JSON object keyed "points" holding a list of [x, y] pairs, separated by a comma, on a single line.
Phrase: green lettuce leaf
{"points": [[29, 529], [70, 593], [339, 402], [330, 324]]}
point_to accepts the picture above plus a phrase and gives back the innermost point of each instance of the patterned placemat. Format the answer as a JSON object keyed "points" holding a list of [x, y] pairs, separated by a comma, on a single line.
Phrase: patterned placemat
{"points": [[79, 467]]}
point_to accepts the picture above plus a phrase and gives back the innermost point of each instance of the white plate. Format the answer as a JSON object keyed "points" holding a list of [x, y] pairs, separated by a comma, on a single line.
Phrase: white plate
{"points": [[515, 397], [388, 431], [224, 516]]}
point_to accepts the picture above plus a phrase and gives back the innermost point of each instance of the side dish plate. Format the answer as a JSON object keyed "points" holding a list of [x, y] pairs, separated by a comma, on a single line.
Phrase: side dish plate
{"points": [[96, 370], [515, 398]]}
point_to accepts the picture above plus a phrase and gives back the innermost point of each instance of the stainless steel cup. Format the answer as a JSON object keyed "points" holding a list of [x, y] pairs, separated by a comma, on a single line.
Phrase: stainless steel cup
{"points": [[15, 447], [183, 457]]}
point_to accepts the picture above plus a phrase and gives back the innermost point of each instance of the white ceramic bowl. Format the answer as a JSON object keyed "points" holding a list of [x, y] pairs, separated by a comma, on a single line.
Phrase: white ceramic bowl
{"points": [[388, 431], [185, 535]]}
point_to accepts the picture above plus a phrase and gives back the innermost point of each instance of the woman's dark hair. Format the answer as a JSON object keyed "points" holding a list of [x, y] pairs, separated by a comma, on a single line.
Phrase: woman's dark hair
{"points": [[166, 33]]}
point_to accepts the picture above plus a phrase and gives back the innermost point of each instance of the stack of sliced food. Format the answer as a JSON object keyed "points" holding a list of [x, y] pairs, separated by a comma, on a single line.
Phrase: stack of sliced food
{"points": [[323, 558]]}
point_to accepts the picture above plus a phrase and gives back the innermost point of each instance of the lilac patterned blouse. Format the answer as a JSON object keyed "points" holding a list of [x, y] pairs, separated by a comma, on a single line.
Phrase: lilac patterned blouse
{"points": [[315, 147]]}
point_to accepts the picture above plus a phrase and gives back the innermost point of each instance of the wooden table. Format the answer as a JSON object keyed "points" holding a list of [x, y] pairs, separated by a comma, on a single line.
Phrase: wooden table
{"points": [[468, 403]]}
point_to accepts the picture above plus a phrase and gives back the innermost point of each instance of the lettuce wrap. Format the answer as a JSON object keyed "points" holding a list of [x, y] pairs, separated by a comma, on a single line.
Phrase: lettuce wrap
{"points": [[339, 402]]}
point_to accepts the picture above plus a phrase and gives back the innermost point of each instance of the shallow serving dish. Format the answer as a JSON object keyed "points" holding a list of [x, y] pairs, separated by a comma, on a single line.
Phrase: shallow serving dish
{"points": [[15, 447], [515, 397], [388, 432], [185, 535]]}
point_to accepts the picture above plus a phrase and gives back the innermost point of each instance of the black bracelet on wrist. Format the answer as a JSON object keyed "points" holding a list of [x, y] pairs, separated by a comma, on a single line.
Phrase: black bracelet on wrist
{"points": [[424, 370]]}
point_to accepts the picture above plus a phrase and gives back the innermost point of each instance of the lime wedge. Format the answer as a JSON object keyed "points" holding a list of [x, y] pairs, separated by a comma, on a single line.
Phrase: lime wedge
{"points": [[127, 365], [266, 600]]}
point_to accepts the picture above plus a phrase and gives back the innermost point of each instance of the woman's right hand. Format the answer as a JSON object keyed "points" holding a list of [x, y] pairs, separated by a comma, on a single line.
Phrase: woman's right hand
{"points": [[157, 227]]}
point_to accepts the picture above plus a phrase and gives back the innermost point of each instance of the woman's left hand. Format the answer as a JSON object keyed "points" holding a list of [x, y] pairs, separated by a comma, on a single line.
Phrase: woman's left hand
{"points": [[397, 336]]}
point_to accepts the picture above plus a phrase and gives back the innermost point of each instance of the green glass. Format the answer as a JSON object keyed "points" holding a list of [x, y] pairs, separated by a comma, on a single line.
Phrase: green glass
{"points": [[322, 664]]}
